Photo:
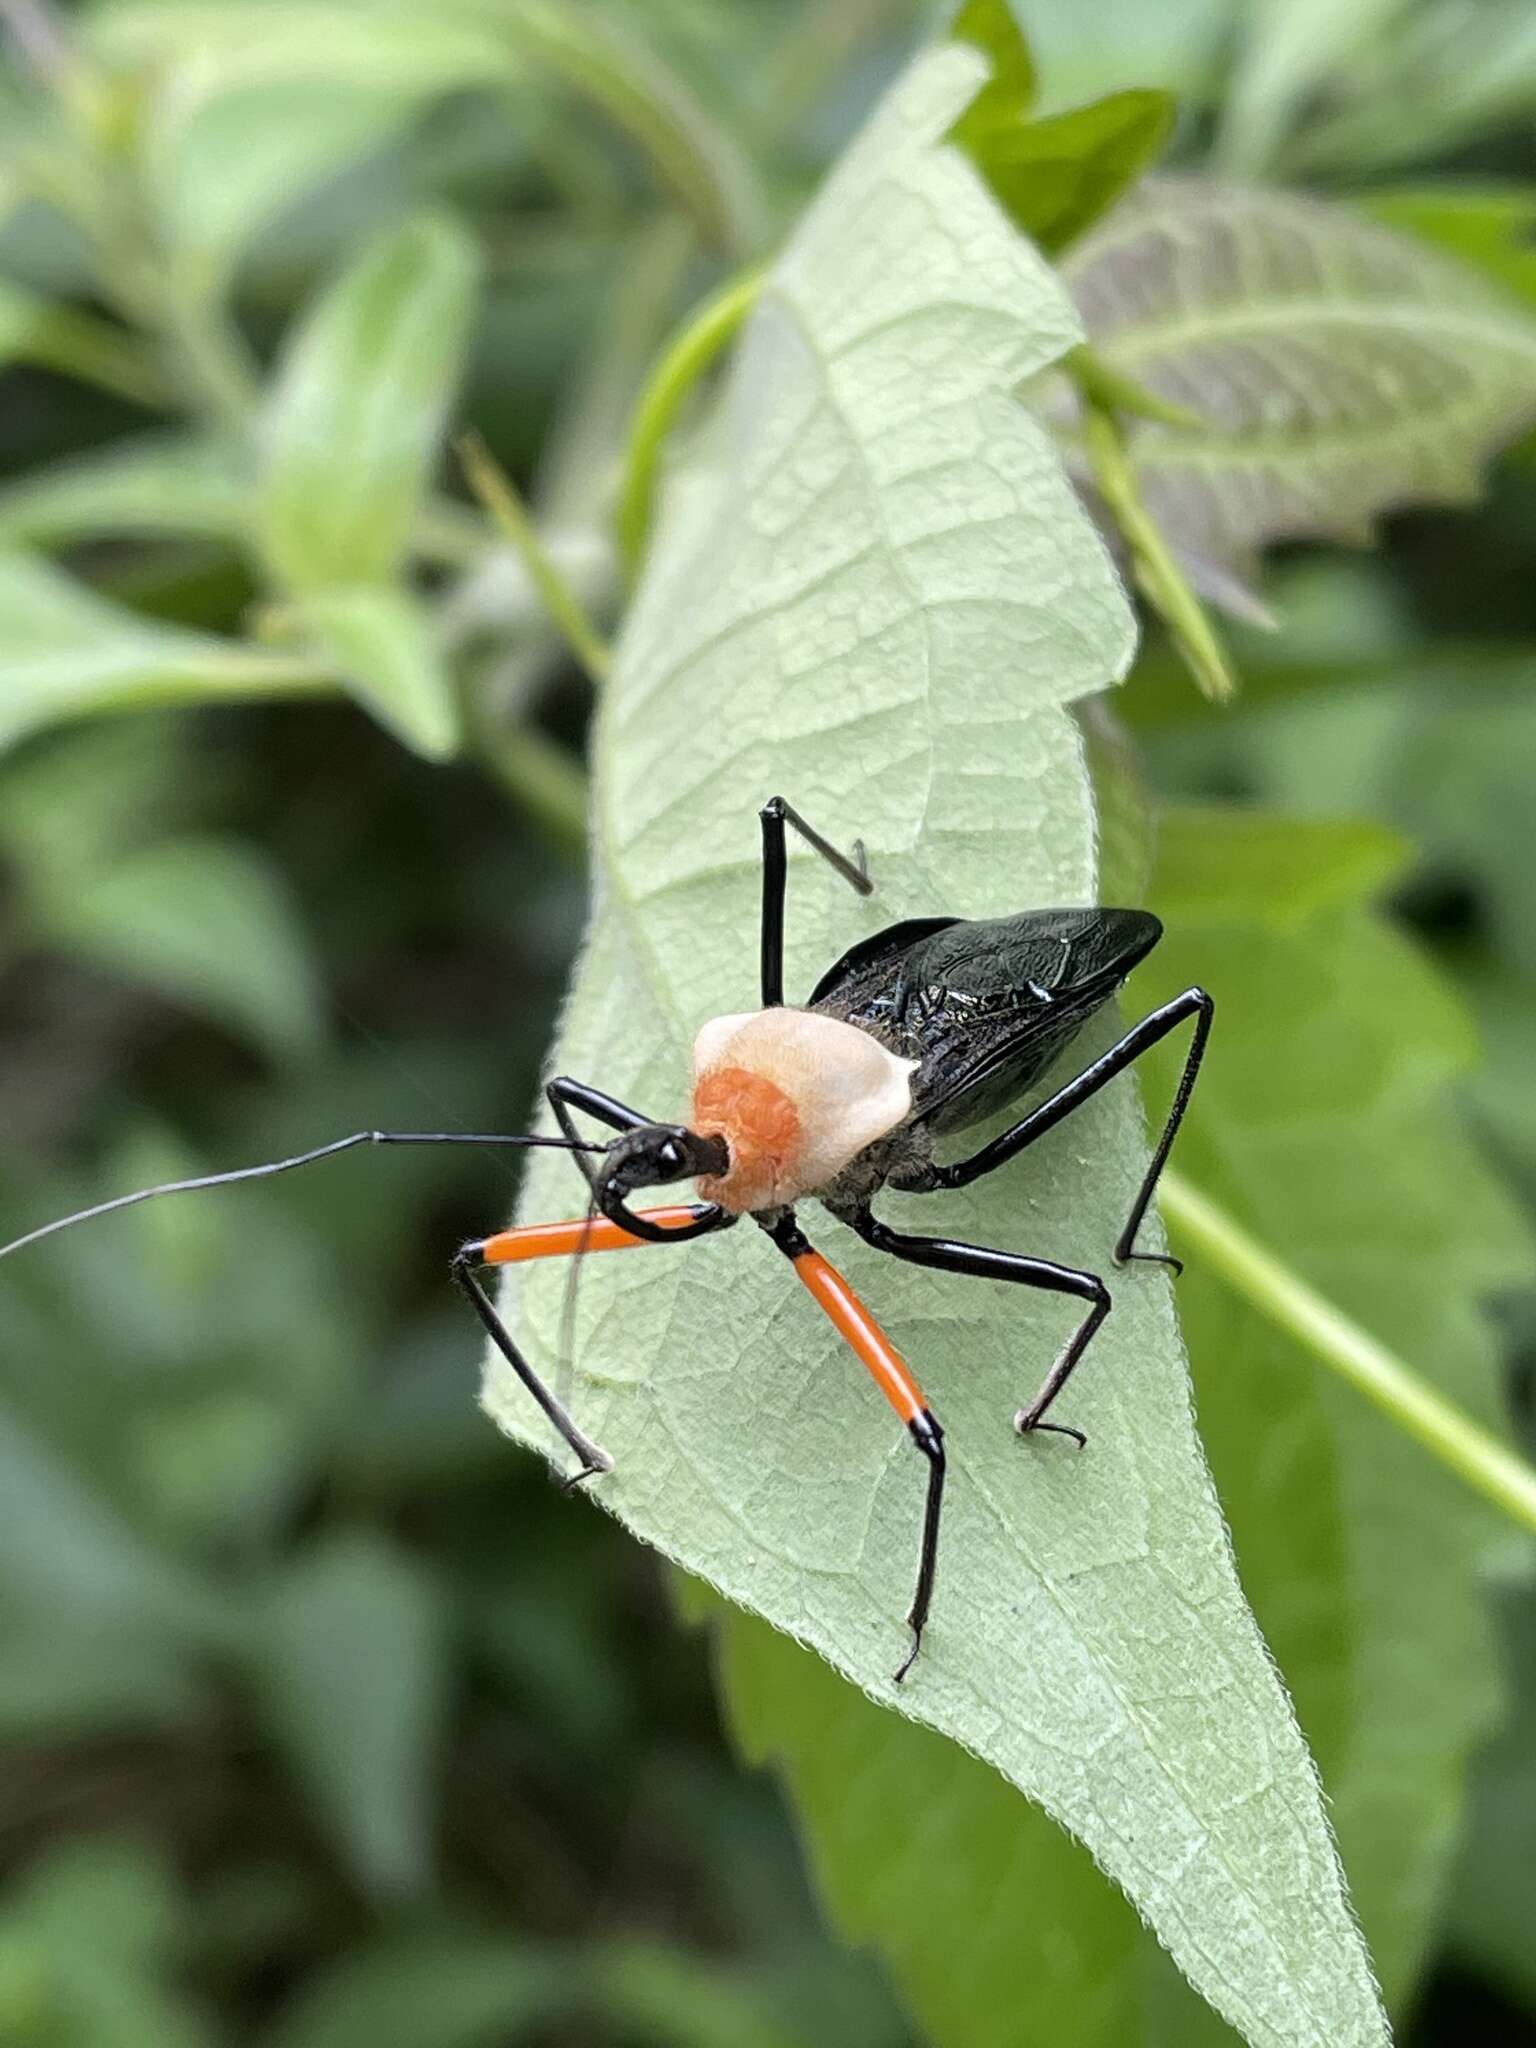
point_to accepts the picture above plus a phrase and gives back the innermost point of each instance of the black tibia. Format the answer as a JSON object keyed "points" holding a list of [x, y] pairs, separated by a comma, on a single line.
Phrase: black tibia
{"points": [[774, 815], [594, 1458], [929, 1438], [1194, 1002], [981, 1262]]}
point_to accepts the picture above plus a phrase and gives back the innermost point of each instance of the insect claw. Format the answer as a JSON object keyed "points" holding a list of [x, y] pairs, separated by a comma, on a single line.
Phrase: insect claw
{"points": [[1026, 1425], [911, 1657], [598, 1462], [1175, 1266]]}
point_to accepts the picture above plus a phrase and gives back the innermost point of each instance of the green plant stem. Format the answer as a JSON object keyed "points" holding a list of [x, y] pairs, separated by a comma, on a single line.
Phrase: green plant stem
{"points": [[1488, 1466], [1101, 384], [493, 487], [683, 362], [1158, 576]]}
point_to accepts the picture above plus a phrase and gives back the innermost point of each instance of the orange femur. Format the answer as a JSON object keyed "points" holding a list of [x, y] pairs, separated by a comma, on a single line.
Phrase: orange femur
{"points": [[762, 1128]]}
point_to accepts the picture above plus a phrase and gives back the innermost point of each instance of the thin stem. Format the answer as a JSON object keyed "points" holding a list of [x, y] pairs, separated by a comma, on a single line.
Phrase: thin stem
{"points": [[493, 487], [1488, 1466], [1158, 575], [684, 361]]}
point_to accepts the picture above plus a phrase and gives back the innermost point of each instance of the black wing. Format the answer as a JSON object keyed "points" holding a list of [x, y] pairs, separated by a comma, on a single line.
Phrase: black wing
{"points": [[984, 1006]]}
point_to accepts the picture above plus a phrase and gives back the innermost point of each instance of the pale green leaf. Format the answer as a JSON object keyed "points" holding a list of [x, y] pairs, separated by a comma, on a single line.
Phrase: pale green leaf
{"points": [[204, 48], [64, 651], [206, 922], [877, 593], [223, 165], [180, 484], [354, 423], [352, 1666], [1341, 369], [384, 645], [992, 1922]]}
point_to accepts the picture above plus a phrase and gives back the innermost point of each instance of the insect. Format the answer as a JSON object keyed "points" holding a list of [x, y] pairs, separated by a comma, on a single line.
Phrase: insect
{"points": [[922, 1030]]}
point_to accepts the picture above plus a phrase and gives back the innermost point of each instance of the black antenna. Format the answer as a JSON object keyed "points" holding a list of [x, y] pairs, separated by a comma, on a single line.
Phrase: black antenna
{"points": [[272, 1166]]}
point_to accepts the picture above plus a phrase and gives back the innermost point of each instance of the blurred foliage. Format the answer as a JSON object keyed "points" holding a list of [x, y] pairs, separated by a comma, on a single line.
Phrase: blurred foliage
{"points": [[322, 1718]]}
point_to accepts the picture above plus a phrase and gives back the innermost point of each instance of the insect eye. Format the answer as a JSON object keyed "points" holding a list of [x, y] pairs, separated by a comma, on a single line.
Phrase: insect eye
{"points": [[671, 1155]]}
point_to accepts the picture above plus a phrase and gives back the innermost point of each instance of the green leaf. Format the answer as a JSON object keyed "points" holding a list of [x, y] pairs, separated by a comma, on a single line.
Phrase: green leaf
{"points": [[76, 344], [64, 652], [1489, 1902], [205, 48], [86, 1945], [1053, 177], [667, 1994], [223, 165], [355, 420], [992, 1921], [177, 484], [354, 1675], [63, 1687], [1491, 227], [207, 922], [1341, 369], [1006, 99], [1324, 1125], [385, 646], [1444, 77], [449, 1990], [1058, 175], [876, 592], [63, 1549]]}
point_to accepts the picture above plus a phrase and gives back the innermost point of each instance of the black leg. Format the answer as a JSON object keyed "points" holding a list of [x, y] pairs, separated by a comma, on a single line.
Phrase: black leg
{"points": [[594, 1458], [774, 815], [929, 1438], [885, 1365], [564, 1095], [1194, 1002], [983, 1263]]}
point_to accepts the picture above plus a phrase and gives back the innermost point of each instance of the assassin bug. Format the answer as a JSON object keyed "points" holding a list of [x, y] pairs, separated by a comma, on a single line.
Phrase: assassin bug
{"points": [[924, 1029]]}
